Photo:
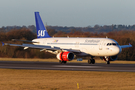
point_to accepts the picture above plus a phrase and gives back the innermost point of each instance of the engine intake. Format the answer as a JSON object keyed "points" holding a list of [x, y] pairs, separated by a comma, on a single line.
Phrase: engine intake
{"points": [[113, 58], [65, 56]]}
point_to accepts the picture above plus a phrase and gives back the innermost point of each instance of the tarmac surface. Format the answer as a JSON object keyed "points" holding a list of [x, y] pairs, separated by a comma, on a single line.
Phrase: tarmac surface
{"points": [[68, 66]]}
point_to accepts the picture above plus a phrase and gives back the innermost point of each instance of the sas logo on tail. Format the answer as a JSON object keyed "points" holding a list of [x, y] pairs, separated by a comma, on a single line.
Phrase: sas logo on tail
{"points": [[41, 33]]}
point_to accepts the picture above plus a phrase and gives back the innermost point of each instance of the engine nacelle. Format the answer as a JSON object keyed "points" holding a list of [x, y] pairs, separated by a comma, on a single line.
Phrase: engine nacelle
{"points": [[111, 58], [65, 56]]}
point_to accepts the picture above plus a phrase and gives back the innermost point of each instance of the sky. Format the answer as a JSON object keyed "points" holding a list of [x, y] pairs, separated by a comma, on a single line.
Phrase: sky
{"points": [[78, 13]]}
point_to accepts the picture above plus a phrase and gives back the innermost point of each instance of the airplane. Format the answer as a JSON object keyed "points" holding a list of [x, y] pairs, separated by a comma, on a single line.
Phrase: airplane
{"points": [[67, 48]]}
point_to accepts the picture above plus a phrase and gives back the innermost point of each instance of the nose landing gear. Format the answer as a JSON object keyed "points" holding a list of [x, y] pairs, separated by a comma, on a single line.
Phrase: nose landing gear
{"points": [[106, 59], [107, 62]]}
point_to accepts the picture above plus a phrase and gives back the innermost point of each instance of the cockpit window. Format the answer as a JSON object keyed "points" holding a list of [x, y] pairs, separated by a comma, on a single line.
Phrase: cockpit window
{"points": [[114, 44], [111, 44]]}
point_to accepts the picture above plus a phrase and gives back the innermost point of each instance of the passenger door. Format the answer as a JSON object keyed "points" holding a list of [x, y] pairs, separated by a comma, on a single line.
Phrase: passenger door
{"points": [[101, 45]]}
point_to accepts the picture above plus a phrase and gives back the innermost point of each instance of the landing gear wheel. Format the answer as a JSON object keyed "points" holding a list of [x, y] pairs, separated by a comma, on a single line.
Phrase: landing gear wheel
{"points": [[60, 61], [107, 62], [91, 61], [64, 62]]}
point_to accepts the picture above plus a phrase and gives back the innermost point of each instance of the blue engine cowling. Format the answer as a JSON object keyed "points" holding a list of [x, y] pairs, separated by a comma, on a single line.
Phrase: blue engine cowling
{"points": [[110, 58], [113, 58]]}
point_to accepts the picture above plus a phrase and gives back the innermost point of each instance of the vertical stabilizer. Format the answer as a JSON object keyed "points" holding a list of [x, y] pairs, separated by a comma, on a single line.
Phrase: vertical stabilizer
{"points": [[41, 30]]}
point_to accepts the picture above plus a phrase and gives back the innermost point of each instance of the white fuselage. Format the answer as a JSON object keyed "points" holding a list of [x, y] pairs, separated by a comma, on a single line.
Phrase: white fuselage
{"points": [[91, 46]]}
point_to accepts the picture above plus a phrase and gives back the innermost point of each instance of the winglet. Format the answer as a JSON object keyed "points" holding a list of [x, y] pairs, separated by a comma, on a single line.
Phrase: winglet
{"points": [[130, 45], [3, 44]]}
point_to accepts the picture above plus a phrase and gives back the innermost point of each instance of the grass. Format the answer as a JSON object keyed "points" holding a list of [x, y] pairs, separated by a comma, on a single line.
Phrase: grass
{"points": [[56, 60], [13, 79]]}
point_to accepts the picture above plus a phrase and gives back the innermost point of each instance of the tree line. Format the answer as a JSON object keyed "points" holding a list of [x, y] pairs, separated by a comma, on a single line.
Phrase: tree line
{"points": [[123, 37], [95, 29]]}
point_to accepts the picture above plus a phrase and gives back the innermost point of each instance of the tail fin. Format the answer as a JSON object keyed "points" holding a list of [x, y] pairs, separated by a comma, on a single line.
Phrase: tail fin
{"points": [[41, 30]]}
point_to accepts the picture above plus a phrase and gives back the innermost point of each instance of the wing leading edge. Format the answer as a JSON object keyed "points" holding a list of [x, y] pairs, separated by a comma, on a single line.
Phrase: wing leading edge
{"points": [[43, 47], [33, 46]]}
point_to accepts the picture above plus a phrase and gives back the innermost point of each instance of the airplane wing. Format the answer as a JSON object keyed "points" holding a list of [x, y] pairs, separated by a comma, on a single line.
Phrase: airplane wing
{"points": [[23, 41], [43, 47], [126, 46], [32, 46]]}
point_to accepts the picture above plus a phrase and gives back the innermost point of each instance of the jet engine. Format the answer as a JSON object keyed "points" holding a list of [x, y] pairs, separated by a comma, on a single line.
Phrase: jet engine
{"points": [[111, 58], [65, 56]]}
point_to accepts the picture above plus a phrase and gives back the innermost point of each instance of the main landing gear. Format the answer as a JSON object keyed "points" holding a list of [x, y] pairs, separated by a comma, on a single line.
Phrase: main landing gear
{"points": [[62, 62], [91, 61]]}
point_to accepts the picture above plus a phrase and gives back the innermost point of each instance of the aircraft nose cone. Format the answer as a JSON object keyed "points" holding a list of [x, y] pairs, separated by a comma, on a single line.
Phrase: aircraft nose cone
{"points": [[118, 50]]}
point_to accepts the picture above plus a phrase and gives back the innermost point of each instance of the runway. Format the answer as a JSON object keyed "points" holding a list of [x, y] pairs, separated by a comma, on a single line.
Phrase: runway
{"points": [[67, 66]]}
